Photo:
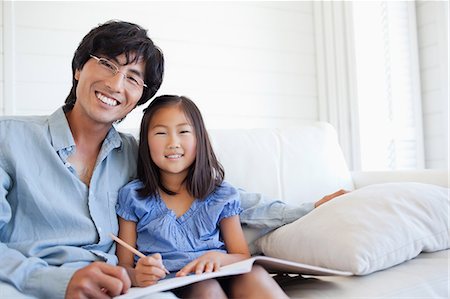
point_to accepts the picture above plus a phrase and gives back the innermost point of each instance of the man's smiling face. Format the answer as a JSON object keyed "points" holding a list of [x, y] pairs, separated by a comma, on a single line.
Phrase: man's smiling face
{"points": [[104, 97]]}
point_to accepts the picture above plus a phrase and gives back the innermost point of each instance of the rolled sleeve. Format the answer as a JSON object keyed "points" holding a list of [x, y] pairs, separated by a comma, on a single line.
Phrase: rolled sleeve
{"points": [[266, 213], [49, 282]]}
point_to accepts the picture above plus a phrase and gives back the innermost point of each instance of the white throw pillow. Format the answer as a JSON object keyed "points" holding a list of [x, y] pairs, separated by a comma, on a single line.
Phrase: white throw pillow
{"points": [[367, 230]]}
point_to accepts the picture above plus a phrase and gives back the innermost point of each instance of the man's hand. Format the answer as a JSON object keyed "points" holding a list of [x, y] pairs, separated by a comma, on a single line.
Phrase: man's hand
{"points": [[330, 197], [98, 280]]}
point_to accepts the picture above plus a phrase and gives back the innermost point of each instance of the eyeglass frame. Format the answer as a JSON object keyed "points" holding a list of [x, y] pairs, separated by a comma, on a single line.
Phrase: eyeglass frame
{"points": [[116, 69]]}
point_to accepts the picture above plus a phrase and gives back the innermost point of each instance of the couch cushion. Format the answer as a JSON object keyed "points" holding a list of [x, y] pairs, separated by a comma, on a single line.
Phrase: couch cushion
{"points": [[251, 159], [313, 164], [296, 165]]}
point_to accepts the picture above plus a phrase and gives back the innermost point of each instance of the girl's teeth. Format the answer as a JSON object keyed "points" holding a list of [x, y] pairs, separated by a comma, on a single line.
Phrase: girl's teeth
{"points": [[106, 100]]}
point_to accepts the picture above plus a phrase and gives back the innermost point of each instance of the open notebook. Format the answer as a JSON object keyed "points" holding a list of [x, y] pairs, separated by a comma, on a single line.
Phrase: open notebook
{"points": [[273, 265]]}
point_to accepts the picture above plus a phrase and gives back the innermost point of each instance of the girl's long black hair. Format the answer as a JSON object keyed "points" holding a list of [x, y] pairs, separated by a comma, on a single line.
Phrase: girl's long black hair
{"points": [[204, 175]]}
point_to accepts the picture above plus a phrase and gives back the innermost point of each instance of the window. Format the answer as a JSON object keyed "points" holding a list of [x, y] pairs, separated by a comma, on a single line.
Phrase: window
{"points": [[388, 87]]}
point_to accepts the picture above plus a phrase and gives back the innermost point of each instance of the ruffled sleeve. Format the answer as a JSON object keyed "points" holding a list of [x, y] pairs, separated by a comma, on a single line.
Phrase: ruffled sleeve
{"points": [[230, 200], [129, 202]]}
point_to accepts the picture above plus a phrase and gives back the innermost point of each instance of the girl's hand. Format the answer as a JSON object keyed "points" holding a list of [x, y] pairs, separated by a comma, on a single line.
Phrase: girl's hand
{"points": [[330, 197], [149, 270], [209, 262]]}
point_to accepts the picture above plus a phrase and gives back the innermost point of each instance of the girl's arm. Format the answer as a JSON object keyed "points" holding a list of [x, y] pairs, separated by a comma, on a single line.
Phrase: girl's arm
{"points": [[127, 232], [148, 270], [235, 243], [233, 237]]}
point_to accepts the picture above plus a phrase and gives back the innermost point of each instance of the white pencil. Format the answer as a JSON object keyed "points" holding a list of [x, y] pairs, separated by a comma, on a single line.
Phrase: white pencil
{"points": [[132, 249]]}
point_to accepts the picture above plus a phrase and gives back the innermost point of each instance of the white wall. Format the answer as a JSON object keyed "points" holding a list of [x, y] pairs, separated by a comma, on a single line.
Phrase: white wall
{"points": [[246, 64], [432, 23]]}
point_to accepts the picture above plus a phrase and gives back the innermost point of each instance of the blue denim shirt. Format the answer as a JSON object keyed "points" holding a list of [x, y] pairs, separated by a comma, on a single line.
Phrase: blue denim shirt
{"points": [[51, 223]]}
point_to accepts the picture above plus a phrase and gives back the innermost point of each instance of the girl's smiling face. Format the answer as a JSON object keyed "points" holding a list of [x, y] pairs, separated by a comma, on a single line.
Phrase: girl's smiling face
{"points": [[172, 142]]}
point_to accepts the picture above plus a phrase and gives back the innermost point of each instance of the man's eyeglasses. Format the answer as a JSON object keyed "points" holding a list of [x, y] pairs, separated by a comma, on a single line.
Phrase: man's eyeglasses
{"points": [[131, 80]]}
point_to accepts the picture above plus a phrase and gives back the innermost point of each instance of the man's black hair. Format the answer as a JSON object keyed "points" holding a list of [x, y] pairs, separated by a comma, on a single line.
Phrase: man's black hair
{"points": [[112, 39]]}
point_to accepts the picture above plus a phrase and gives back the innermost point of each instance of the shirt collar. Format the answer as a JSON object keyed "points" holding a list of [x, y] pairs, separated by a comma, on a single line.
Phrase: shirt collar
{"points": [[113, 138], [60, 131], [62, 136]]}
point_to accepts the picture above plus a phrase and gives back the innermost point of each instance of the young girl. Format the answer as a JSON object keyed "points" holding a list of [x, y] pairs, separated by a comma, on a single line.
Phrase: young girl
{"points": [[180, 213]]}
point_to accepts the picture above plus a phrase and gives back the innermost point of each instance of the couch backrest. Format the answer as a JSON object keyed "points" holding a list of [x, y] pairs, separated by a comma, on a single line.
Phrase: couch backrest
{"points": [[296, 165]]}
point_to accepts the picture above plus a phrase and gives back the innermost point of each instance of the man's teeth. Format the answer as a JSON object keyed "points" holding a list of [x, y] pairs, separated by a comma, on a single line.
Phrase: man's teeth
{"points": [[106, 100], [174, 156]]}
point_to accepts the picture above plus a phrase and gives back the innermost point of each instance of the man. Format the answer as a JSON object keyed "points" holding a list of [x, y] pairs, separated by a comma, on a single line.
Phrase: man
{"points": [[59, 174]]}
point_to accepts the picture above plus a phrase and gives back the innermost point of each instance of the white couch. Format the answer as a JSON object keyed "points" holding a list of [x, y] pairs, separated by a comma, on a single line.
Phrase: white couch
{"points": [[305, 163]]}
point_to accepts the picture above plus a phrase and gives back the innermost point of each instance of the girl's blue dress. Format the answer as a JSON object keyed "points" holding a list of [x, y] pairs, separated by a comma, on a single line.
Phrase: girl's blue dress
{"points": [[183, 239]]}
